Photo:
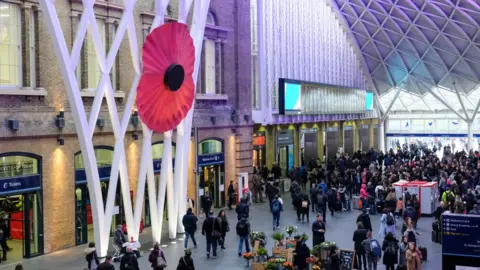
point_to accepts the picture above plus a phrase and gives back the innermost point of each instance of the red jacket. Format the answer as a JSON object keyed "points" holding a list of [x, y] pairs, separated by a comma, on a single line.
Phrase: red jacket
{"points": [[363, 192]]}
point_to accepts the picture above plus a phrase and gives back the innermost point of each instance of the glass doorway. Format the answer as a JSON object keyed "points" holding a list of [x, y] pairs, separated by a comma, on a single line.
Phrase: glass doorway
{"points": [[22, 225], [146, 214], [212, 179], [83, 212], [285, 159]]}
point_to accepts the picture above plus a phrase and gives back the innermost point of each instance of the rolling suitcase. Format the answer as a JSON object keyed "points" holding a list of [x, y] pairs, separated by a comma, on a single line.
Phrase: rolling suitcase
{"points": [[434, 236], [424, 252]]}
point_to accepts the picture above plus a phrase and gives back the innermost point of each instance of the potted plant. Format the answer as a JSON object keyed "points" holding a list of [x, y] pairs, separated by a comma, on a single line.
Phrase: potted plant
{"points": [[316, 267], [247, 256], [258, 236], [278, 237], [290, 229], [304, 237], [270, 266], [316, 250], [261, 254]]}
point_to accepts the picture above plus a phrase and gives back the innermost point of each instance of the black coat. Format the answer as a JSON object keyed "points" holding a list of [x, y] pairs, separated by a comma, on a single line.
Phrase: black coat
{"points": [[242, 209], [358, 236], [318, 237], [127, 259], [364, 218], [389, 259], [106, 266], [189, 222], [185, 263], [302, 253]]}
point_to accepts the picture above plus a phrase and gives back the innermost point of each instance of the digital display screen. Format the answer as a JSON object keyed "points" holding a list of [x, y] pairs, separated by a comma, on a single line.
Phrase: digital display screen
{"points": [[293, 97], [369, 101]]}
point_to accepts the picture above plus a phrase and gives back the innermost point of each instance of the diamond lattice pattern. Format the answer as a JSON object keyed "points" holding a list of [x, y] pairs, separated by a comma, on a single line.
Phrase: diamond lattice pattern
{"points": [[419, 46]]}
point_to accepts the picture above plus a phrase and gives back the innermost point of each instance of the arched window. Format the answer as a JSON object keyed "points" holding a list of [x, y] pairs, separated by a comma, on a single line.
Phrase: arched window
{"points": [[210, 146], [103, 154], [18, 164], [210, 51], [157, 150], [211, 19]]}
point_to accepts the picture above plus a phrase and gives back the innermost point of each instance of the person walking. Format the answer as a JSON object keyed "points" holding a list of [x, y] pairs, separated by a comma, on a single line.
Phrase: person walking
{"points": [[322, 204], [305, 207], [91, 256], [313, 196], [276, 207], [243, 232], [207, 203], [210, 229], [225, 227], [242, 209], [390, 249], [231, 195], [358, 237], [189, 222], [413, 256], [373, 251], [364, 218], [186, 262], [302, 252], [107, 264], [402, 259], [129, 260], [157, 258], [318, 231], [387, 224], [257, 187]]}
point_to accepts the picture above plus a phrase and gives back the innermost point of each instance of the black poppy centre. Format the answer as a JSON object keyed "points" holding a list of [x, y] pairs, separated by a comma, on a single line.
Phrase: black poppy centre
{"points": [[174, 77]]}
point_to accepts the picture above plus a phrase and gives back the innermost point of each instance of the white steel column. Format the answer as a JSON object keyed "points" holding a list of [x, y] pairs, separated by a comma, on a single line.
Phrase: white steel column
{"points": [[381, 135], [470, 136]]}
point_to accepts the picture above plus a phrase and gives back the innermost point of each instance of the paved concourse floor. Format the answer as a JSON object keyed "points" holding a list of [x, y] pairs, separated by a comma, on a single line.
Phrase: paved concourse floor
{"points": [[339, 229]]}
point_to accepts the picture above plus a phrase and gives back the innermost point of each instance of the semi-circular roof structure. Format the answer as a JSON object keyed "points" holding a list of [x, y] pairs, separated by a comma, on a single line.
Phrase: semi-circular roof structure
{"points": [[422, 55]]}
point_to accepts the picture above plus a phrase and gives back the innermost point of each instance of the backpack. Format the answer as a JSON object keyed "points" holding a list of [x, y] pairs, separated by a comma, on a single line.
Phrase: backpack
{"points": [[390, 219], [380, 195], [390, 251], [450, 197], [304, 204], [375, 249], [276, 206], [242, 228], [320, 199]]}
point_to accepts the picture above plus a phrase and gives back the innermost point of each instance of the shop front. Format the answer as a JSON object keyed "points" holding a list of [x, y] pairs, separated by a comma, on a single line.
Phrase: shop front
{"points": [[83, 212], [211, 160], [308, 145], [157, 153], [332, 141], [21, 204], [285, 151], [348, 140], [259, 151], [364, 137]]}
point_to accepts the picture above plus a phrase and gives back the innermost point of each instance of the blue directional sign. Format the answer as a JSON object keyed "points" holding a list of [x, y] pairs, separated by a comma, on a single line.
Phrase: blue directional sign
{"points": [[460, 235]]}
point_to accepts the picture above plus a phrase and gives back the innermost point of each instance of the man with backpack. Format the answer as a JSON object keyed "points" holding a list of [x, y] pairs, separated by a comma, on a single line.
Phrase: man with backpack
{"points": [[276, 208], [129, 261], [243, 232], [322, 204], [373, 251], [387, 224], [242, 209], [449, 198]]}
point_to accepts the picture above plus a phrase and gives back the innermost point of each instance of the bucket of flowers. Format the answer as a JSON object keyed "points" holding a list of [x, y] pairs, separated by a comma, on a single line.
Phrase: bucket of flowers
{"points": [[261, 254], [290, 229], [325, 249], [316, 267], [247, 256], [278, 237], [311, 261], [288, 265], [258, 236]]}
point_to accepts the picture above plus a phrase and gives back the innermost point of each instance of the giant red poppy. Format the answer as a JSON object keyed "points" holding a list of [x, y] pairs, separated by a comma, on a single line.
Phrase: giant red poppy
{"points": [[166, 90]]}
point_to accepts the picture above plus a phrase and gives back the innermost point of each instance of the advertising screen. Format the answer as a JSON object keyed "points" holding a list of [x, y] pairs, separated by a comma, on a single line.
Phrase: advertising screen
{"points": [[293, 96], [369, 101]]}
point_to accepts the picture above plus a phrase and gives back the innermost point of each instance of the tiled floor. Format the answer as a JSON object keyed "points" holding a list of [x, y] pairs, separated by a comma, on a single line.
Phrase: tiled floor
{"points": [[339, 229]]}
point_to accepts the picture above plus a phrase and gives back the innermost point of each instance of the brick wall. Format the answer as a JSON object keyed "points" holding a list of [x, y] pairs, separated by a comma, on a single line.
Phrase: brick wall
{"points": [[37, 115]]}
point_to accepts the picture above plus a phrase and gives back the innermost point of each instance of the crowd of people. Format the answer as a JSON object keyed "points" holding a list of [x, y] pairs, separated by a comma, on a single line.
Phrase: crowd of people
{"points": [[364, 181]]}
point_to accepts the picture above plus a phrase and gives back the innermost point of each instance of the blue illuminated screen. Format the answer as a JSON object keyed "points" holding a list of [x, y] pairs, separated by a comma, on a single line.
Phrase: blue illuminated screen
{"points": [[369, 101], [293, 97]]}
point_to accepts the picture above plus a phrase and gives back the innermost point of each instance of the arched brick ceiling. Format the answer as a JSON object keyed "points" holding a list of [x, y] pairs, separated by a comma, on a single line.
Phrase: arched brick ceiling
{"points": [[428, 49]]}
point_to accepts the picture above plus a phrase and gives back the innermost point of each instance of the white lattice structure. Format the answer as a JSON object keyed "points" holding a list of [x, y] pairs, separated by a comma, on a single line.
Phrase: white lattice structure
{"points": [[175, 183]]}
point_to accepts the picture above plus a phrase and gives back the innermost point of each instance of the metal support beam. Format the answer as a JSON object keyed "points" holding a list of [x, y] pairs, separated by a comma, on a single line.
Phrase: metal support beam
{"points": [[447, 105], [461, 101], [391, 104]]}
